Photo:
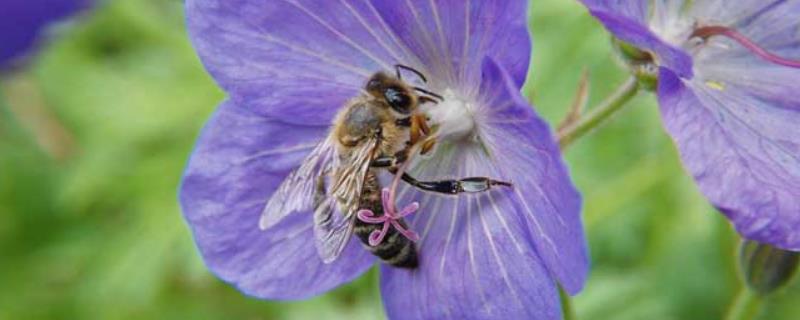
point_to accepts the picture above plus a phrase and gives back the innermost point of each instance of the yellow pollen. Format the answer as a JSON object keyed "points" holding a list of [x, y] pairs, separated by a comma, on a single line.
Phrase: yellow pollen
{"points": [[715, 85]]}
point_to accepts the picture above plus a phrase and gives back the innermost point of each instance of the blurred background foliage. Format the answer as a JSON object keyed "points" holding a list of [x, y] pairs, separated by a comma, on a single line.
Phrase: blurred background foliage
{"points": [[95, 132]]}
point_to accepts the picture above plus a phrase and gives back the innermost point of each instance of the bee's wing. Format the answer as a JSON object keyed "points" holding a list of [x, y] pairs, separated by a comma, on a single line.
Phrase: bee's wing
{"points": [[334, 217], [297, 192]]}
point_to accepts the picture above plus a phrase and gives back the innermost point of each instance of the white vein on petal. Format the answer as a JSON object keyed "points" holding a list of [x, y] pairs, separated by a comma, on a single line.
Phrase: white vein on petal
{"points": [[443, 38], [744, 160], [536, 222], [272, 152], [471, 254], [394, 38], [260, 33], [431, 43], [503, 222], [344, 37], [358, 70], [449, 232], [467, 30], [493, 247], [363, 23]]}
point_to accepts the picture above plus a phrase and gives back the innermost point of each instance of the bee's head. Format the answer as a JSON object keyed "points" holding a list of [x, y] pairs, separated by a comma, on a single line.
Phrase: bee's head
{"points": [[392, 90]]}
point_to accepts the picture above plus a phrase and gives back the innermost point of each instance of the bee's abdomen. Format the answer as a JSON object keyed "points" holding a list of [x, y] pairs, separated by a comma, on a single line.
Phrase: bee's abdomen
{"points": [[395, 249]]}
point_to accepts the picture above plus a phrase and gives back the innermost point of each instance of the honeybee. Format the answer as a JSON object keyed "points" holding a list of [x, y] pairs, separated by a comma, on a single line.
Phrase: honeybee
{"points": [[374, 131]]}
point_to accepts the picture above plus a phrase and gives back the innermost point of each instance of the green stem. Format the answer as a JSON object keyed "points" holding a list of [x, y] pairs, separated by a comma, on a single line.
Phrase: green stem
{"points": [[600, 113], [745, 307], [567, 307]]}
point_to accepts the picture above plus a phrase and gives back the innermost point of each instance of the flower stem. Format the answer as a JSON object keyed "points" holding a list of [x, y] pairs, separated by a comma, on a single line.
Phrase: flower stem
{"points": [[745, 307], [600, 113], [567, 308]]}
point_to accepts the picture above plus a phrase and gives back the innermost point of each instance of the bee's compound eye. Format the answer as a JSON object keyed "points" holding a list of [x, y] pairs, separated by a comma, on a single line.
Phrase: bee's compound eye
{"points": [[398, 100]]}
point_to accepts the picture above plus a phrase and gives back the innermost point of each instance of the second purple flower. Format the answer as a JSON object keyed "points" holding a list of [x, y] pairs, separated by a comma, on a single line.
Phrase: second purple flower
{"points": [[728, 82]]}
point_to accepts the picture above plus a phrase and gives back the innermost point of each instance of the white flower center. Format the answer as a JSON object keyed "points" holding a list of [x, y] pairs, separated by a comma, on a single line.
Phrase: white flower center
{"points": [[454, 117]]}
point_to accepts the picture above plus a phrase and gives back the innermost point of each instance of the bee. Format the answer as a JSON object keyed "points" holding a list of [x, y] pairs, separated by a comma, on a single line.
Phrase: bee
{"points": [[374, 131]]}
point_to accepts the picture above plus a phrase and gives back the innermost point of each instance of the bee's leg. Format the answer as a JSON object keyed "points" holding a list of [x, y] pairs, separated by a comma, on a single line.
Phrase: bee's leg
{"points": [[427, 146], [419, 128], [415, 131], [471, 184], [391, 162], [403, 122], [422, 121]]}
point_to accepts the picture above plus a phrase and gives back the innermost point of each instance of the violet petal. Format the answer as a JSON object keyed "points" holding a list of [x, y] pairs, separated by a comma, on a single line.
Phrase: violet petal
{"points": [[450, 37], [633, 30], [22, 23], [239, 161], [310, 56], [743, 151], [493, 255]]}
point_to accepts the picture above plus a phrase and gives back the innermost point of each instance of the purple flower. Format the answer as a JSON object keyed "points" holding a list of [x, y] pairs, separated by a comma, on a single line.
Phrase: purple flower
{"points": [[289, 67], [727, 87], [22, 22]]}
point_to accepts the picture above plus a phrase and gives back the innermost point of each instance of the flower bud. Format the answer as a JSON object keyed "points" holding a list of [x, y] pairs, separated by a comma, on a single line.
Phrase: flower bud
{"points": [[641, 63], [766, 268]]}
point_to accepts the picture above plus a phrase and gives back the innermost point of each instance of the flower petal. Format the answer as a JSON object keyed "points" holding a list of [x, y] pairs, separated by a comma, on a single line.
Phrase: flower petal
{"points": [[525, 153], [22, 22], [626, 22], [496, 254], [634, 10], [239, 161], [742, 149], [745, 14], [297, 60], [451, 37]]}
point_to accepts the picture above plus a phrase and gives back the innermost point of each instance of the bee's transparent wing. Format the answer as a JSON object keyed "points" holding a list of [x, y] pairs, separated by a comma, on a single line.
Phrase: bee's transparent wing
{"points": [[334, 217], [297, 192]]}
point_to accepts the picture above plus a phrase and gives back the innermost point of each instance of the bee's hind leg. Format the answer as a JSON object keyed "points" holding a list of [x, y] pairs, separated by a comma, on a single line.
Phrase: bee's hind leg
{"points": [[471, 184]]}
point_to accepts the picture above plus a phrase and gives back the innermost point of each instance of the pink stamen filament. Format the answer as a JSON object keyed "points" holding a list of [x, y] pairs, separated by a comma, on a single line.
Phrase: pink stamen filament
{"points": [[390, 214], [710, 31], [390, 217]]}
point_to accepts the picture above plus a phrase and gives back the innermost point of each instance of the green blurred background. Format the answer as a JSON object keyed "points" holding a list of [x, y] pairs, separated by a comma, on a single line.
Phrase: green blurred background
{"points": [[94, 135]]}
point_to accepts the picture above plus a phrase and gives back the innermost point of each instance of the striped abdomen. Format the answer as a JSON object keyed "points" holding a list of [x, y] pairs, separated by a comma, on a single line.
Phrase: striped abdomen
{"points": [[395, 249]]}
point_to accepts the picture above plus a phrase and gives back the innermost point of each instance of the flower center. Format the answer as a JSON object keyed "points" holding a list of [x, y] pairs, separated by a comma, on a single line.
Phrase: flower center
{"points": [[710, 31], [453, 118]]}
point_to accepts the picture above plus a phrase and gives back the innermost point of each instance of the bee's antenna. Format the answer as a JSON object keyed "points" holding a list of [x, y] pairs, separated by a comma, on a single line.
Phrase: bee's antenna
{"points": [[397, 68], [435, 95]]}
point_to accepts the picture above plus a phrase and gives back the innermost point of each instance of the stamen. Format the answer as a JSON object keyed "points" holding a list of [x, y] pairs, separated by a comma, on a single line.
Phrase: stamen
{"points": [[390, 214], [710, 31], [390, 217]]}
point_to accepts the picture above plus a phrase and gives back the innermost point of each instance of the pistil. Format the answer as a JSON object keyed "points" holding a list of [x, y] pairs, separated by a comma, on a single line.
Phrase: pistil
{"points": [[710, 31]]}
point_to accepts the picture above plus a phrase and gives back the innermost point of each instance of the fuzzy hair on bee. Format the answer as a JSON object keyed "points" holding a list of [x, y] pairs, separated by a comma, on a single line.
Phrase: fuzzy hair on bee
{"points": [[374, 131], [336, 179]]}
